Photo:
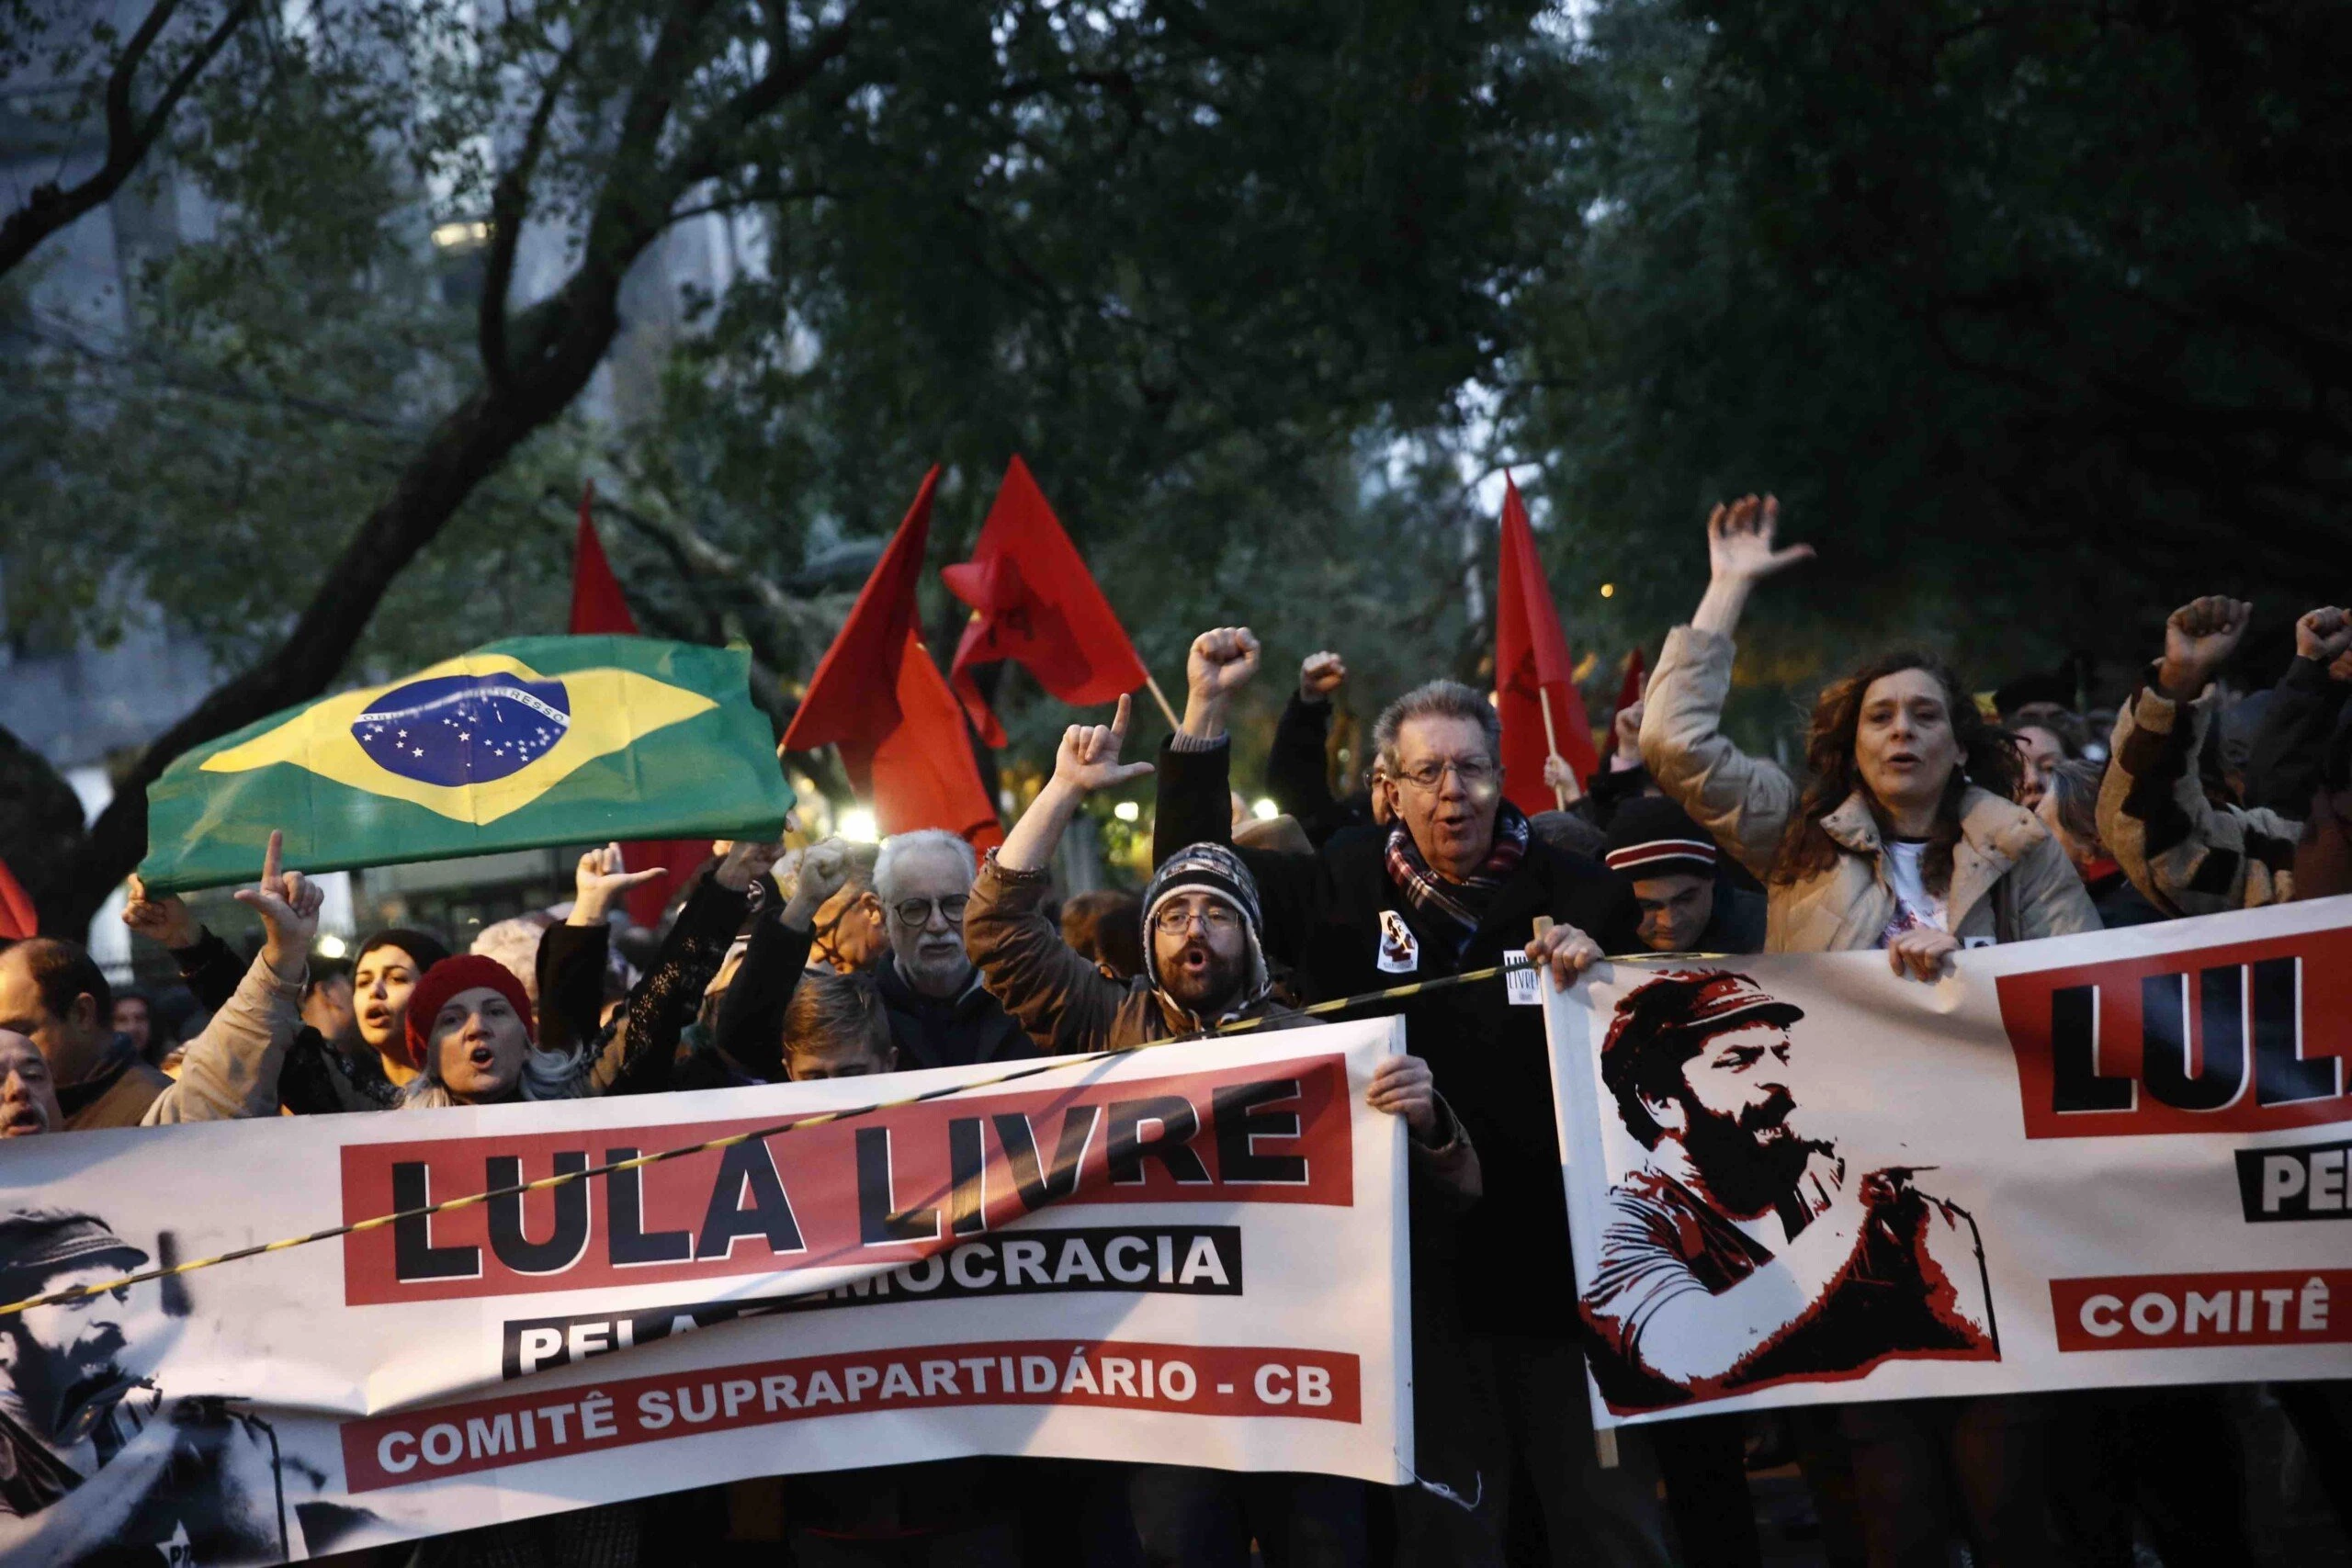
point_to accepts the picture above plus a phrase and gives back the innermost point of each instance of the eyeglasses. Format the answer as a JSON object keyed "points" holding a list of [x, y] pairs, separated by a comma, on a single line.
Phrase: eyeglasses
{"points": [[916, 912], [1216, 919], [1477, 774]]}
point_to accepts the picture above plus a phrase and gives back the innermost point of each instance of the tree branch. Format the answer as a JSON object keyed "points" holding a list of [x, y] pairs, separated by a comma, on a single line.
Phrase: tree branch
{"points": [[128, 136], [509, 200], [563, 339]]}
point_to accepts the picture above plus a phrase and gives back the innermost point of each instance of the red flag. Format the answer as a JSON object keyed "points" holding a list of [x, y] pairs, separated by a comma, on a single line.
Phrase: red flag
{"points": [[18, 918], [922, 774], [853, 698], [877, 695], [598, 608], [1037, 604], [1535, 678]]}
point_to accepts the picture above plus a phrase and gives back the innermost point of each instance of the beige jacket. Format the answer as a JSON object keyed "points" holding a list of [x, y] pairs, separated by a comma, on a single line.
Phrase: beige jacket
{"points": [[229, 1071], [2011, 880]]}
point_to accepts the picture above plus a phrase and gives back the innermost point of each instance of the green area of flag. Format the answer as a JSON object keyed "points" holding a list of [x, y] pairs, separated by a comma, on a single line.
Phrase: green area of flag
{"points": [[521, 744]]}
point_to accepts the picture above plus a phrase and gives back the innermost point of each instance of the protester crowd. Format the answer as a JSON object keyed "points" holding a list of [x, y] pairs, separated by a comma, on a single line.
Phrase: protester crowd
{"points": [[1920, 824]]}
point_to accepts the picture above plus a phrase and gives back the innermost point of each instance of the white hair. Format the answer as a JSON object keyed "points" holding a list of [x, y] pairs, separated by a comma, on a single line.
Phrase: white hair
{"points": [[514, 946], [1435, 699], [901, 844]]}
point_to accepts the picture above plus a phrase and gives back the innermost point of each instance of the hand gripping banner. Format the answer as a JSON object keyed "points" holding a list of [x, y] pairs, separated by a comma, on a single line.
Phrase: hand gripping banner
{"points": [[1191, 1255], [2115, 1158]]}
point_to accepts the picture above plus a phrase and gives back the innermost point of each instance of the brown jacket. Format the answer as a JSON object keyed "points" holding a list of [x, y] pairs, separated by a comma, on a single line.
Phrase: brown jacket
{"points": [[228, 1072], [2186, 854], [2011, 880], [1071, 1007]]}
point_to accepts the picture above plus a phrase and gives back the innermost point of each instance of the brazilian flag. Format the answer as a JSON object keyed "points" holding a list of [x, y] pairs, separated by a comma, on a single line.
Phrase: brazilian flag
{"points": [[519, 745]]}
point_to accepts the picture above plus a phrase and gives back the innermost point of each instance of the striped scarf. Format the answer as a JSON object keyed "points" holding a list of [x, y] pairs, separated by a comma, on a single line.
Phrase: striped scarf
{"points": [[1433, 895]]}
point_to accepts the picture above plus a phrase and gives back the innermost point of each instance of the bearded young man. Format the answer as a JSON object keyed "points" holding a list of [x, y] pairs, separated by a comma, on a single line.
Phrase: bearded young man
{"points": [[1203, 965], [1454, 883]]}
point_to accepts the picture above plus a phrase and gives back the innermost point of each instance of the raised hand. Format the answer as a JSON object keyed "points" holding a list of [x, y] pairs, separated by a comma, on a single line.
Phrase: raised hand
{"points": [[2324, 635], [1320, 674], [2198, 637], [1089, 757], [287, 903], [743, 863], [599, 879], [1627, 729], [1560, 778], [824, 871], [1741, 554], [161, 917], [1739, 541], [1221, 663]]}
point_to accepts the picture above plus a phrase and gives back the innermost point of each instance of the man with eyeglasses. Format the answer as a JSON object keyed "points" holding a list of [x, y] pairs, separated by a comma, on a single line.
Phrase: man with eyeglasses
{"points": [[1203, 966], [941, 1016], [1455, 883]]}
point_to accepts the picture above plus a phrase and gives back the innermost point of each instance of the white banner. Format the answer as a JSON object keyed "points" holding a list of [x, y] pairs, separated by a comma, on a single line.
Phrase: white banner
{"points": [[2106, 1159], [1192, 1254]]}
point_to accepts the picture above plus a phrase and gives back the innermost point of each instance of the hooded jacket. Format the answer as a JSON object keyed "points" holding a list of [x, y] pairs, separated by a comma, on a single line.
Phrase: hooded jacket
{"points": [[2011, 880]]}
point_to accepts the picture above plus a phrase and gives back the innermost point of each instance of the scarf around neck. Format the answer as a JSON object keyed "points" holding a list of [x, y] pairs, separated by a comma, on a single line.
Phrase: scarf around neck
{"points": [[1434, 894]]}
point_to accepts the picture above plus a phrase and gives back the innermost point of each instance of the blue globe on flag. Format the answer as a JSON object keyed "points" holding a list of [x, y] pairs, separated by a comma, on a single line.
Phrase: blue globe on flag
{"points": [[460, 730]]}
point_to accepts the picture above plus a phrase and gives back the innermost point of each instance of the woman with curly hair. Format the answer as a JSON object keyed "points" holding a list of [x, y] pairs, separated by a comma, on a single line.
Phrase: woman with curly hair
{"points": [[1908, 836]]}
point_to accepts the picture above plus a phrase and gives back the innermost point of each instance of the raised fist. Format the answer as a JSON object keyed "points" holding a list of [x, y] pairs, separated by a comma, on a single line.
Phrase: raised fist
{"points": [[1222, 662], [1321, 675], [743, 862], [2198, 637], [2324, 635]]}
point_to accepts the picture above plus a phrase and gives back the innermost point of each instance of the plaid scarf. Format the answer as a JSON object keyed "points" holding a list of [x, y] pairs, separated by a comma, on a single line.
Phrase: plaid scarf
{"points": [[1433, 895]]}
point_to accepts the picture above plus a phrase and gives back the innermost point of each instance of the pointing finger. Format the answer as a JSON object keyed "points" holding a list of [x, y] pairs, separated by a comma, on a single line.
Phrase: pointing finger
{"points": [[271, 858], [1119, 722]]}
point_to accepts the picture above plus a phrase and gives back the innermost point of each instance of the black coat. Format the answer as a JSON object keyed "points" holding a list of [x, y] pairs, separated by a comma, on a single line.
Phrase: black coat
{"points": [[971, 1027], [1509, 1253]]}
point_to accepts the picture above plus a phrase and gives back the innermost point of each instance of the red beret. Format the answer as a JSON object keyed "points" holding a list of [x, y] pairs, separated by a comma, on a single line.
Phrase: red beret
{"points": [[466, 972]]}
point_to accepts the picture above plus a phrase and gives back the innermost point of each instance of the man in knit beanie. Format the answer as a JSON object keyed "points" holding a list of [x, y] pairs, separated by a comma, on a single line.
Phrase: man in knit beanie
{"points": [[1686, 907], [1203, 965]]}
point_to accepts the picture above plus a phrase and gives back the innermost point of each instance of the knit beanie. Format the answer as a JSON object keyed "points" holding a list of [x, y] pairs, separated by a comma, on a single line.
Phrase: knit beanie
{"points": [[1217, 871], [466, 972], [1651, 836]]}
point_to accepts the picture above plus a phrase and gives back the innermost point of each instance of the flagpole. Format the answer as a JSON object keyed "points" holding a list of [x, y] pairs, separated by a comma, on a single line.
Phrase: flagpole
{"points": [[1161, 698], [1551, 741]]}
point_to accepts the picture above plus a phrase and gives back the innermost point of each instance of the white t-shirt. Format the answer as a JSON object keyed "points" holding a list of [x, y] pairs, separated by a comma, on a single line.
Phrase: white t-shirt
{"points": [[1914, 907]]}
